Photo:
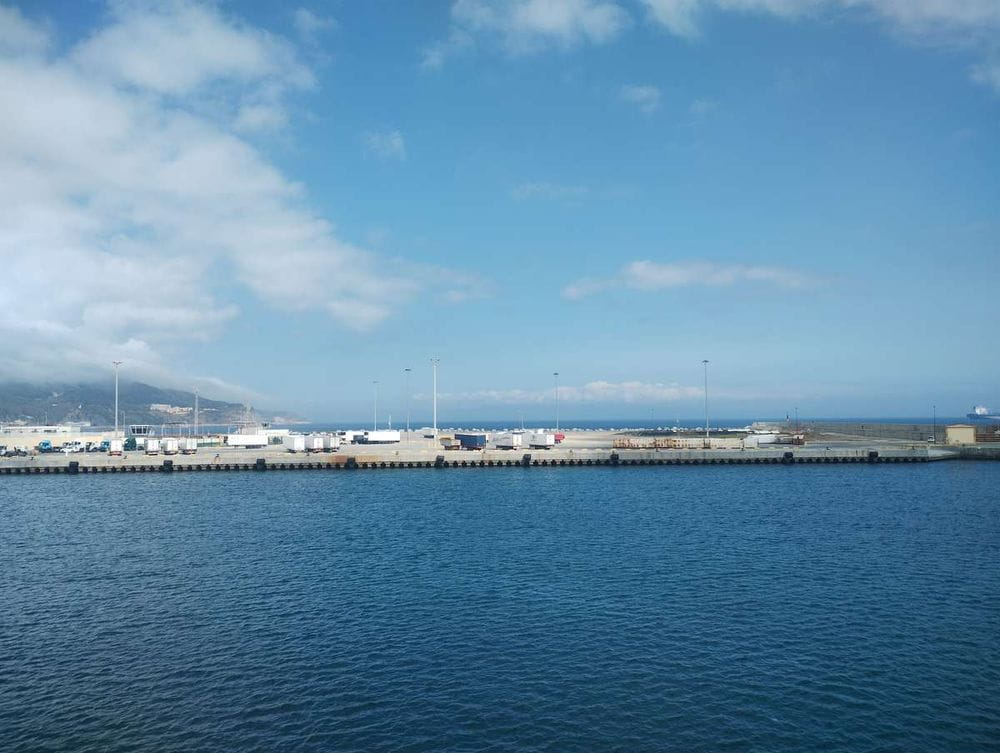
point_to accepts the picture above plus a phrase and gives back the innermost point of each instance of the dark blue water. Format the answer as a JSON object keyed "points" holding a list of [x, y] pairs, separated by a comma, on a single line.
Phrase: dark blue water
{"points": [[596, 609]]}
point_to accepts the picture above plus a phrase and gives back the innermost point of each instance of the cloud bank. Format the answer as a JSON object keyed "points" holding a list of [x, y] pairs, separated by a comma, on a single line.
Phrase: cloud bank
{"points": [[653, 276], [133, 204], [527, 26], [591, 392], [972, 24]]}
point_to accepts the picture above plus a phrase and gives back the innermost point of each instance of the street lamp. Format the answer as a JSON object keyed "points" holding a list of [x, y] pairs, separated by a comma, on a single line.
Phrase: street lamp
{"points": [[434, 372], [407, 373], [116, 364], [375, 421], [555, 376], [705, 364]]}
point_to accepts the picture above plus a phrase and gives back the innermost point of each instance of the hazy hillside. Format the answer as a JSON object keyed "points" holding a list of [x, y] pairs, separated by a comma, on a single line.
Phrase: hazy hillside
{"points": [[58, 403]]}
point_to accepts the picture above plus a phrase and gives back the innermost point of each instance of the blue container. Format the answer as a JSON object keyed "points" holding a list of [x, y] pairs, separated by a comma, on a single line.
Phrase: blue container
{"points": [[471, 441]]}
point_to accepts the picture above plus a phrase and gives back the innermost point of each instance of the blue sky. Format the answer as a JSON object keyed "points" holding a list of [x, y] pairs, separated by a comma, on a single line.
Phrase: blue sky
{"points": [[282, 204]]}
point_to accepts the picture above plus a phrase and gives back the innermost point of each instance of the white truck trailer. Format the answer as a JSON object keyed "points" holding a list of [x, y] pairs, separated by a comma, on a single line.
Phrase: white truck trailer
{"points": [[508, 441], [541, 440], [169, 446], [115, 447], [313, 443], [152, 446], [246, 440], [294, 442], [331, 442], [382, 437], [188, 445]]}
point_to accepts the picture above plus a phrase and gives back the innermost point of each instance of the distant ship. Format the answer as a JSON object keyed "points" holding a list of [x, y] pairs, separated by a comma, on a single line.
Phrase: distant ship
{"points": [[982, 413]]}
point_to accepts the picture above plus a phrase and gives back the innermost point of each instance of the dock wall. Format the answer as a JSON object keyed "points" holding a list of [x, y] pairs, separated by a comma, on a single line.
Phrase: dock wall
{"points": [[246, 461]]}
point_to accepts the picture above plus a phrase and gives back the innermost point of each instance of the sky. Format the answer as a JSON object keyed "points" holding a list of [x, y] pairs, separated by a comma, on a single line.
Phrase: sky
{"points": [[285, 204]]}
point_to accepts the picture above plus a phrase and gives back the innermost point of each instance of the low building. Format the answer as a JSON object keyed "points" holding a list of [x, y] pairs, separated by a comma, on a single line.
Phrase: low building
{"points": [[960, 434]]}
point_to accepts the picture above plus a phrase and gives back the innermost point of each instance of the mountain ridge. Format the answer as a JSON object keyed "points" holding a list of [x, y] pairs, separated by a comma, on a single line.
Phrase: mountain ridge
{"points": [[87, 402]]}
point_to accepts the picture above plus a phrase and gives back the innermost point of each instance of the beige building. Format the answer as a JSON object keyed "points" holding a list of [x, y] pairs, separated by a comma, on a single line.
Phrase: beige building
{"points": [[960, 434]]}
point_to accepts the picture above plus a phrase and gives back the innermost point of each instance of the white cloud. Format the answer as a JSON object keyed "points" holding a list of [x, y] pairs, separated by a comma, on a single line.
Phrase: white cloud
{"points": [[550, 191], [653, 276], [19, 36], [591, 392], [644, 96], [386, 145], [308, 24], [964, 23], [525, 26], [177, 47], [131, 212]]}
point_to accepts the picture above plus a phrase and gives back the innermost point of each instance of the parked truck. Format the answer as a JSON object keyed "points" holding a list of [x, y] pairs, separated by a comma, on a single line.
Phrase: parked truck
{"points": [[169, 446], [541, 440], [331, 442], [115, 446], [44, 446], [246, 440], [152, 446], [294, 442], [508, 441], [382, 437], [313, 443], [189, 445], [471, 441]]}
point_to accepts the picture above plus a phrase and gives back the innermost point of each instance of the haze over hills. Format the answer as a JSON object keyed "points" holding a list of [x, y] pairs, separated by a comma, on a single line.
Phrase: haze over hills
{"points": [[54, 403]]}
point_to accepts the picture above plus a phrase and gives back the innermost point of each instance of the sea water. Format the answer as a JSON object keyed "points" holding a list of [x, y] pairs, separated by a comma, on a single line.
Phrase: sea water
{"points": [[815, 608]]}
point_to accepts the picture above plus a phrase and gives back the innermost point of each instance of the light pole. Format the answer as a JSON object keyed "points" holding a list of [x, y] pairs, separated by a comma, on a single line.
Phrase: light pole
{"points": [[196, 412], [406, 372], [116, 364], [934, 431], [705, 364], [434, 372], [555, 376], [375, 419]]}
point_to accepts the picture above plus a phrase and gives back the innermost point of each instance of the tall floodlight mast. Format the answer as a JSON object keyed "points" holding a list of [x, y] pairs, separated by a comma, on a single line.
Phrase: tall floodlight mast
{"points": [[116, 364]]}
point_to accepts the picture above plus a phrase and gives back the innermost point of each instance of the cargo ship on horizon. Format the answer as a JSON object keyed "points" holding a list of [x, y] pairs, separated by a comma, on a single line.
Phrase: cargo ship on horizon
{"points": [[982, 413]]}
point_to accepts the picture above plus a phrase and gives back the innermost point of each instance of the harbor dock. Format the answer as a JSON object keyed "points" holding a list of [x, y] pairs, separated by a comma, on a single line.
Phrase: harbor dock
{"points": [[402, 458]]}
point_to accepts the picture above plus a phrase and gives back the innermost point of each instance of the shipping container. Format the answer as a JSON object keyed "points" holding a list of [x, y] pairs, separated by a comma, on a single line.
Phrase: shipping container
{"points": [[508, 441], [169, 446], [382, 437], [189, 445], [471, 441], [152, 446], [294, 443], [541, 440]]}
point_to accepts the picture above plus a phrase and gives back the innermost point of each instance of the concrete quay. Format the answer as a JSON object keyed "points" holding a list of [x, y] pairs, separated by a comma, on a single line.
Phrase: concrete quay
{"points": [[399, 457]]}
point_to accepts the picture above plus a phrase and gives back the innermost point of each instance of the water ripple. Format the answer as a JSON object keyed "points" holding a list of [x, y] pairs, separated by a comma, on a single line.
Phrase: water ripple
{"points": [[694, 609]]}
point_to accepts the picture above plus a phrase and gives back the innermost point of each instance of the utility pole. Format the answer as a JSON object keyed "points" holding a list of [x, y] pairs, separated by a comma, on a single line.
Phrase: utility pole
{"points": [[555, 375], [116, 364], [934, 432], [196, 412], [434, 372], [375, 420], [705, 364], [406, 372]]}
